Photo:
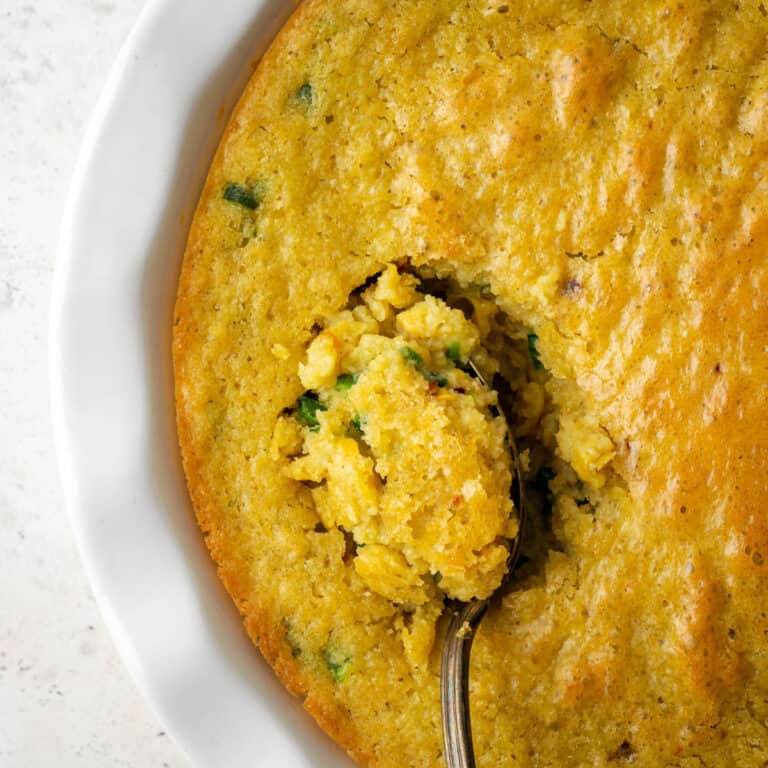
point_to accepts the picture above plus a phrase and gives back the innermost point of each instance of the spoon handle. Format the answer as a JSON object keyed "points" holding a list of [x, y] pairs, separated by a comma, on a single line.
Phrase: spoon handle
{"points": [[465, 619], [454, 683]]}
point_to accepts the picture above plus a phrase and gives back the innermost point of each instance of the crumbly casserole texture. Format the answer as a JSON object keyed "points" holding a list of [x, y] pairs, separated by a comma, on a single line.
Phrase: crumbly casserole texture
{"points": [[575, 194], [405, 451]]}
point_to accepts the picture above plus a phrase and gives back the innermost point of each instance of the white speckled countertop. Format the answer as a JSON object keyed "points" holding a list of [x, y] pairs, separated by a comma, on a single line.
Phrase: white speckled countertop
{"points": [[65, 699]]}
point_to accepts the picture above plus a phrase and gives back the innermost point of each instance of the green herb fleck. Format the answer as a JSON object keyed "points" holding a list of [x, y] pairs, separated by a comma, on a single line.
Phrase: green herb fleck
{"points": [[534, 352], [453, 351], [346, 381], [339, 665], [411, 355], [248, 197], [307, 408], [355, 426], [438, 378], [582, 502], [543, 476], [304, 94]]}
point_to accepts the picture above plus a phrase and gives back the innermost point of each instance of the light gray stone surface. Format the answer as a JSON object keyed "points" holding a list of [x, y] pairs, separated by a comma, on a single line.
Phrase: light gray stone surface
{"points": [[65, 699]]}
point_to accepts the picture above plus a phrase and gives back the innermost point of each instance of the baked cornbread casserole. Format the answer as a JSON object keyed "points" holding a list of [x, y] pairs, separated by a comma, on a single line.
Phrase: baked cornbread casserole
{"points": [[572, 199]]}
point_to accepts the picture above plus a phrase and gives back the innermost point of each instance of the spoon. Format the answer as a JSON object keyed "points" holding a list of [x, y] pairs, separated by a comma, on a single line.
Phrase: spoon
{"points": [[465, 618]]}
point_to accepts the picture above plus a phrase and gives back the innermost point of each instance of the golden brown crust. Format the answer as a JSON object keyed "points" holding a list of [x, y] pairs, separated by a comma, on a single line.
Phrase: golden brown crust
{"points": [[645, 280], [264, 629]]}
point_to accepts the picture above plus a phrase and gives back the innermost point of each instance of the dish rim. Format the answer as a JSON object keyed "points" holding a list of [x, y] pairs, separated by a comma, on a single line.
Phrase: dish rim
{"points": [[277, 725]]}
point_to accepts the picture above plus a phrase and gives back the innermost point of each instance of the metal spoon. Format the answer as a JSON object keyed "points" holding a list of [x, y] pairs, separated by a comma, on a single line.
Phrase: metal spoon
{"points": [[465, 619]]}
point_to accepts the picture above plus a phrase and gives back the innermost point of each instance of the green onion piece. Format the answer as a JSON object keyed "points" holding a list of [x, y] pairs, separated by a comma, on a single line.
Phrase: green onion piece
{"points": [[305, 94], [438, 378], [346, 381], [411, 355], [453, 351], [240, 195], [307, 408], [534, 352], [339, 665], [355, 426]]}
